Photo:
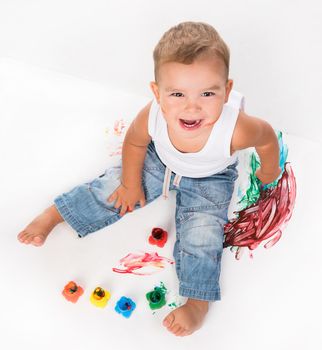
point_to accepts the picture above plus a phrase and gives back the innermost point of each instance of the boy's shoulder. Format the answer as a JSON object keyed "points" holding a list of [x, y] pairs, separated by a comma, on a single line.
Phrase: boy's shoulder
{"points": [[142, 117], [137, 133]]}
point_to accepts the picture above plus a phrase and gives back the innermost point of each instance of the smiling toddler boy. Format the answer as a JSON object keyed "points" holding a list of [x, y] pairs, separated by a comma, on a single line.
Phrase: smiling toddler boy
{"points": [[184, 140]]}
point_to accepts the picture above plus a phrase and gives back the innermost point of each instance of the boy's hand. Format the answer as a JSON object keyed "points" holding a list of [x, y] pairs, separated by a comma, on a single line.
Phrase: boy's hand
{"points": [[127, 198], [267, 178]]}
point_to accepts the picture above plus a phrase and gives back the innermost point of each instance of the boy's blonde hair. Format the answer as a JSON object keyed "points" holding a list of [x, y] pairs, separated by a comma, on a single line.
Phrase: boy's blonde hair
{"points": [[188, 41]]}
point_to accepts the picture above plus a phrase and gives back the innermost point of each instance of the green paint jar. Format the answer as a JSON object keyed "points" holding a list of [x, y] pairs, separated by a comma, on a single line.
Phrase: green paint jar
{"points": [[156, 298]]}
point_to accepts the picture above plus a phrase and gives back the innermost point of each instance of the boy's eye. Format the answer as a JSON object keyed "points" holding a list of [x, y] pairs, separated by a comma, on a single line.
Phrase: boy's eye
{"points": [[177, 94], [208, 93]]}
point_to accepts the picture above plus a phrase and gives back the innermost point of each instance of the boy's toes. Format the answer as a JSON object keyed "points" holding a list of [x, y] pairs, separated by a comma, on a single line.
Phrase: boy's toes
{"points": [[22, 236], [182, 333], [27, 238], [31, 238], [176, 329], [38, 240], [167, 322]]}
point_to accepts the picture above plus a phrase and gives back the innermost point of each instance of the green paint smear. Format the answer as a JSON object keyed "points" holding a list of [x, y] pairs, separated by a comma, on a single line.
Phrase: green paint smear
{"points": [[255, 186], [173, 305]]}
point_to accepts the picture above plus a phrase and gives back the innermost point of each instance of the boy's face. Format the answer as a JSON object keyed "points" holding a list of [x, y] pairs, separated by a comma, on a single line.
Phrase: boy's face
{"points": [[191, 96]]}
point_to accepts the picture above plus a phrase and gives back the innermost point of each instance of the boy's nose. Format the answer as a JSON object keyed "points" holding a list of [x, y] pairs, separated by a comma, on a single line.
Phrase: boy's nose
{"points": [[192, 106]]}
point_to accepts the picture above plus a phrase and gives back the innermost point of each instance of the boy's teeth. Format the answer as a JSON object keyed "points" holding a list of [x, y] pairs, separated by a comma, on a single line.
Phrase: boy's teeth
{"points": [[190, 121]]}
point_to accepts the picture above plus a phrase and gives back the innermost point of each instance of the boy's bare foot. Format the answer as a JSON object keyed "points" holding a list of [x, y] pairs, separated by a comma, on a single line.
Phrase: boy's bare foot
{"points": [[187, 318], [38, 230]]}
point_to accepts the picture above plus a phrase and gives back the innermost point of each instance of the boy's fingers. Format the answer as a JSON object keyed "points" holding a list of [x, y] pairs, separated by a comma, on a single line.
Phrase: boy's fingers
{"points": [[111, 198], [123, 210], [142, 202], [117, 204]]}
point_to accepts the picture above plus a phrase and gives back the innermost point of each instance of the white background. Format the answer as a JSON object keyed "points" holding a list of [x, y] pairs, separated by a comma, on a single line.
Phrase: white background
{"points": [[276, 46], [52, 136]]}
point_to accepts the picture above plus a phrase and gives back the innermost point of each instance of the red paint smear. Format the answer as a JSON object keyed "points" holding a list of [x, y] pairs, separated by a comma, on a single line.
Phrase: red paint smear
{"points": [[264, 219], [133, 262], [119, 127]]}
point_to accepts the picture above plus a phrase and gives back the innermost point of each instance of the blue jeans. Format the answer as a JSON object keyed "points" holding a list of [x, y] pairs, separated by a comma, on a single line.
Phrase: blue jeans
{"points": [[201, 212]]}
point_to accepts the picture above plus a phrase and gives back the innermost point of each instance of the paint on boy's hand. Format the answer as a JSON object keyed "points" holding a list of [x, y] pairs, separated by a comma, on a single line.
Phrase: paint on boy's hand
{"points": [[255, 186]]}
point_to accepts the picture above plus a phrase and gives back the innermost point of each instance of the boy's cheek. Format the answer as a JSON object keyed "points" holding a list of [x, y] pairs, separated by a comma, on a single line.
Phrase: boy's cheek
{"points": [[209, 123]]}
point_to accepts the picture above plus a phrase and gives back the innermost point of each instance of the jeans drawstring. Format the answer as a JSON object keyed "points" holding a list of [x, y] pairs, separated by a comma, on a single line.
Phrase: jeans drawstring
{"points": [[166, 182]]}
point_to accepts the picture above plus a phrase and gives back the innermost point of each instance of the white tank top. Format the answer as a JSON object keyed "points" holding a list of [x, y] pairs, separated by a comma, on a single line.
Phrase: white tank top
{"points": [[213, 157]]}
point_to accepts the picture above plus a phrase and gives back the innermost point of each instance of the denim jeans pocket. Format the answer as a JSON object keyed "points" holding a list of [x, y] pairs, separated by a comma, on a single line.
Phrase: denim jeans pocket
{"points": [[217, 190]]}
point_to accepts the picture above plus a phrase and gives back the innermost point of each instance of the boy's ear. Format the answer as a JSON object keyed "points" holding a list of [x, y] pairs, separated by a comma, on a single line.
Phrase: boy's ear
{"points": [[229, 87], [155, 90]]}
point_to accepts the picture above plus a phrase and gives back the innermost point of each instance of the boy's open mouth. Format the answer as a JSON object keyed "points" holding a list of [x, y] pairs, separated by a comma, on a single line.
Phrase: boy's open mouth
{"points": [[190, 124]]}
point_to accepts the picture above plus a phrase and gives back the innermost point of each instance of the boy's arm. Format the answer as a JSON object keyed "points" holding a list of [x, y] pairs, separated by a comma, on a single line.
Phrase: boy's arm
{"points": [[255, 132], [134, 149]]}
